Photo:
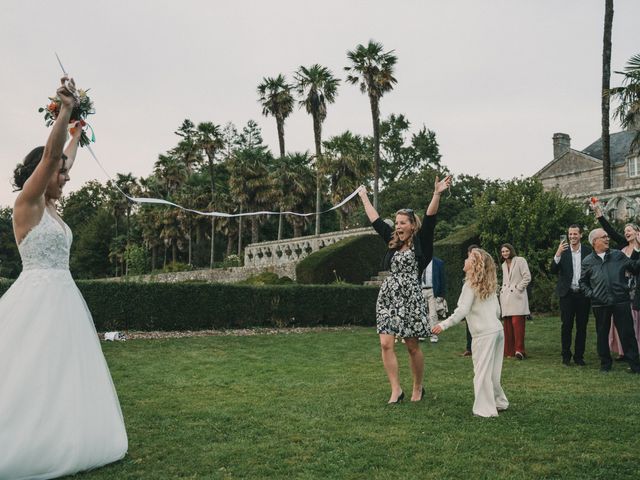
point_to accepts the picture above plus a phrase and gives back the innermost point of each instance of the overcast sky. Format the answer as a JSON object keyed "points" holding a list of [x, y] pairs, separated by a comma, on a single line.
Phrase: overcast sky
{"points": [[493, 78]]}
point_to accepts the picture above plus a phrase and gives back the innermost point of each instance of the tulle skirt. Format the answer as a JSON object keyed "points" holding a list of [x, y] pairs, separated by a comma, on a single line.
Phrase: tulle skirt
{"points": [[59, 411]]}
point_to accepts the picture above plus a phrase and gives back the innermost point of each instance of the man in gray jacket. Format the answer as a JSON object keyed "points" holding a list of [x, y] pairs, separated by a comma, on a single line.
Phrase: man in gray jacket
{"points": [[603, 280]]}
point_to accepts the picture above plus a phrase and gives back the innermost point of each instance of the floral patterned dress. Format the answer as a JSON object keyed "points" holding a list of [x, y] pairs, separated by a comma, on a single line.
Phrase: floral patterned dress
{"points": [[401, 309]]}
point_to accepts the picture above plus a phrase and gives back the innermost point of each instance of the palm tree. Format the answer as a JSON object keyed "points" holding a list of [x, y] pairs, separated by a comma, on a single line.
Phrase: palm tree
{"points": [[372, 69], [276, 100], [249, 182], [628, 96], [210, 139], [347, 165], [316, 87], [172, 171], [150, 219], [188, 149], [606, 79], [293, 179]]}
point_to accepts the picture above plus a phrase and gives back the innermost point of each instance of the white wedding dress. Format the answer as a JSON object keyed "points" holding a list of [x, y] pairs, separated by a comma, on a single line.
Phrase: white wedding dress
{"points": [[59, 411]]}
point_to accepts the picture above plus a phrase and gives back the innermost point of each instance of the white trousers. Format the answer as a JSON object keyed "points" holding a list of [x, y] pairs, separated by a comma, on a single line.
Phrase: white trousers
{"points": [[488, 352], [432, 313]]}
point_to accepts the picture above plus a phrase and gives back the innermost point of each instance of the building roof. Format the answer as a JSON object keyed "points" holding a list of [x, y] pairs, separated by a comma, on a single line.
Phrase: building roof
{"points": [[620, 145]]}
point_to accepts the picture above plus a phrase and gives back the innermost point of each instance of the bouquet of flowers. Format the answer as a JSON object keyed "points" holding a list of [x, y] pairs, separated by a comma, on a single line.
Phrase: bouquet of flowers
{"points": [[80, 112]]}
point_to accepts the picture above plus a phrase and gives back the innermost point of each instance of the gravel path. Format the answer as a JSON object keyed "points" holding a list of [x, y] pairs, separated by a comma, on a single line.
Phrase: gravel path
{"points": [[134, 335]]}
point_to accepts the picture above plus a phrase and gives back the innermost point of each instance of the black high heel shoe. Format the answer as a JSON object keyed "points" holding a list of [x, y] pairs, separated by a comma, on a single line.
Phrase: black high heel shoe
{"points": [[398, 400]]}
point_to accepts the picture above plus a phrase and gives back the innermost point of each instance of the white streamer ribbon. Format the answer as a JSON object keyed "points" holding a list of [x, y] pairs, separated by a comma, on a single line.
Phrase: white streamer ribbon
{"points": [[159, 201]]}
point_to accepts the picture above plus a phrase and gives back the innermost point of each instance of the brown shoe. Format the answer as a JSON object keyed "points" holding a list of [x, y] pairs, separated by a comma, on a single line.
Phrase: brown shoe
{"points": [[466, 353]]}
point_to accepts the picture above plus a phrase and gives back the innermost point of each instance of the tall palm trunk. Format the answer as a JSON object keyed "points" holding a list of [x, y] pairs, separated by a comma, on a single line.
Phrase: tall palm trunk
{"points": [[606, 78], [375, 116], [280, 125], [154, 257], [190, 229], [213, 219], [116, 262], [255, 230], [297, 228], [240, 233], [317, 135], [229, 244]]}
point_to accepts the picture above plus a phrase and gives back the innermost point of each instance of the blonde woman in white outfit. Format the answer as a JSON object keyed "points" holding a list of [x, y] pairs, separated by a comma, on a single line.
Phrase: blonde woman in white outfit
{"points": [[478, 303]]}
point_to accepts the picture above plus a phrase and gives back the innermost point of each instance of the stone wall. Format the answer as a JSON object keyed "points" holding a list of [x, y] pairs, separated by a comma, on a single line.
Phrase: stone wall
{"points": [[217, 275], [282, 252], [279, 257], [584, 183]]}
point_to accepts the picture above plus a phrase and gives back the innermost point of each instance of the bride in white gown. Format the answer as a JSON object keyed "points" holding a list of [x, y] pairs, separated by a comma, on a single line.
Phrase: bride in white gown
{"points": [[59, 411]]}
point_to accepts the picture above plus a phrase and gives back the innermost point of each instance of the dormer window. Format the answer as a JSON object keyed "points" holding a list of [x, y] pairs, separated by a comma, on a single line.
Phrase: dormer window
{"points": [[634, 166]]}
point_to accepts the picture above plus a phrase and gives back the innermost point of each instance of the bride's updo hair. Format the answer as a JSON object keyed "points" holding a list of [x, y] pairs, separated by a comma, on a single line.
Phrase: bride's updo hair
{"points": [[24, 170]]}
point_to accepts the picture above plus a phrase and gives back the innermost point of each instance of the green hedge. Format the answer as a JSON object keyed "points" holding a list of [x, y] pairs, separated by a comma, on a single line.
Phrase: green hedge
{"points": [[352, 260], [453, 250], [194, 306]]}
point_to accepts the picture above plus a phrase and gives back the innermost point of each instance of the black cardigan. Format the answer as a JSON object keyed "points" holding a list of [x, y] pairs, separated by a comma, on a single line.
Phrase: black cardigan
{"points": [[622, 242], [423, 242]]}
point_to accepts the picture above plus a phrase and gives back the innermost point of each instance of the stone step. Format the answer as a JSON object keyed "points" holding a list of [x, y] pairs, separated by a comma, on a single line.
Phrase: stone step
{"points": [[377, 280]]}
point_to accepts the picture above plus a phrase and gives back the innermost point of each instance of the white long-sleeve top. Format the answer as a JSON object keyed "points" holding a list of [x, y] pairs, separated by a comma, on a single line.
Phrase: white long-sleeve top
{"points": [[483, 316]]}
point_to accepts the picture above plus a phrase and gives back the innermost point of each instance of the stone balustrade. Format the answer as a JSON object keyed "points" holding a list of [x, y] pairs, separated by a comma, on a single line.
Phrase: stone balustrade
{"points": [[292, 250], [279, 257]]}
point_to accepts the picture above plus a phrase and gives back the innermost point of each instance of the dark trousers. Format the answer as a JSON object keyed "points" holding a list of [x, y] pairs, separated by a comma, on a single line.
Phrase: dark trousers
{"points": [[574, 306], [623, 321]]}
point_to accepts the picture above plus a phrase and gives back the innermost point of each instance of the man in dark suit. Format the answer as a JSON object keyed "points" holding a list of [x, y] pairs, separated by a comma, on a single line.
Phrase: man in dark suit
{"points": [[567, 263]]}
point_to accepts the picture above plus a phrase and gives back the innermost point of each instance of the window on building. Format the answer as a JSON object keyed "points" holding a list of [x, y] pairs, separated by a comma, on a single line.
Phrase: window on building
{"points": [[634, 166]]}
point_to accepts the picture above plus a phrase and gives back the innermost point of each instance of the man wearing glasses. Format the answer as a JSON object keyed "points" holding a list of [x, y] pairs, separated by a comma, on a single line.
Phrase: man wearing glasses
{"points": [[603, 280]]}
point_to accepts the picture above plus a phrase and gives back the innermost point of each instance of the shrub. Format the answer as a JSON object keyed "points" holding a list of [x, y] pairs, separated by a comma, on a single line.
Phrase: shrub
{"points": [[266, 278], [543, 297], [453, 250], [352, 260], [136, 258], [176, 267], [231, 261], [193, 306]]}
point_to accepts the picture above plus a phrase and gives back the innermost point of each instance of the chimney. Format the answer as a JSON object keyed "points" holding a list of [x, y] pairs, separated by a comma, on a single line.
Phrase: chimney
{"points": [[561, 144]]}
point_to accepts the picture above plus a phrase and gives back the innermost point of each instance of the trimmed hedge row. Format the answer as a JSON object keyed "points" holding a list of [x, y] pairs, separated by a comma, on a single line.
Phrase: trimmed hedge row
{"points": [[352, 260], [195, 306], [453, 250]]}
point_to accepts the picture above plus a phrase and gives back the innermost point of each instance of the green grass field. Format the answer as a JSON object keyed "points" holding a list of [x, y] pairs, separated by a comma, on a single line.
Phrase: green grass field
{"points": [[313, 406]]}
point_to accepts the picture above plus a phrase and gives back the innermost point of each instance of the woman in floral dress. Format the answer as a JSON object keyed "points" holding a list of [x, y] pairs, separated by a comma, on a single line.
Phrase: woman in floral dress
{"points": [[401, 309]]}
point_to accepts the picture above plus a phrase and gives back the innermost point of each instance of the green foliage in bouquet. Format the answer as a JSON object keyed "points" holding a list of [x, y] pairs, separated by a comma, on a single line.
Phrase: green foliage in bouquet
{"points": [[80, 112]]}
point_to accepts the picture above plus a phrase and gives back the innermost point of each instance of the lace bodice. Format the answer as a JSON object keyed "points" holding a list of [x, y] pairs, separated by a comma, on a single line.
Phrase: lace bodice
{"points": [[47, 245]]}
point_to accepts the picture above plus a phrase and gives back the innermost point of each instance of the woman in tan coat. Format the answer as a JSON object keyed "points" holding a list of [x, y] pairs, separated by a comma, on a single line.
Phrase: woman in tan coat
{"points": [[513, 300]]}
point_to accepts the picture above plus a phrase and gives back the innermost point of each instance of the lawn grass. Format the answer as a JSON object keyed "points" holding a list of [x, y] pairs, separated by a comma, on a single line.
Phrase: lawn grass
{"points": [[313, 406]]}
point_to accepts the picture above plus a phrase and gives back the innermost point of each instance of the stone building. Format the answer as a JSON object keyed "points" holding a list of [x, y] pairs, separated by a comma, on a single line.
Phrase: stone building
{"points": [[578, 173]]}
